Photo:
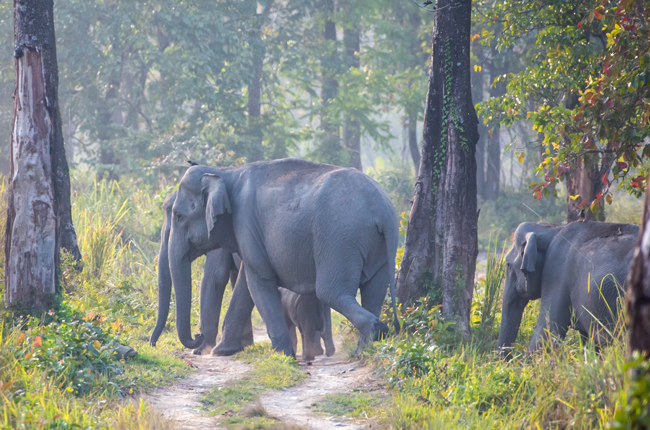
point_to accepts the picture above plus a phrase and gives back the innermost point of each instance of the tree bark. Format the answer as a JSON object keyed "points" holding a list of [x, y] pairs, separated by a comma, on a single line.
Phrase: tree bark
{"points": [[638, 298], [441, 239], [352, 131], [493, 170], [39, 218], [412, 112]]}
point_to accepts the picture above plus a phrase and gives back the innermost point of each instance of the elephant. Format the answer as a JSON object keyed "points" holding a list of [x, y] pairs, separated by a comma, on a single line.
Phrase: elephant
{"points": [[220, 267], [579, 270], [312, 318], [310, 228]]}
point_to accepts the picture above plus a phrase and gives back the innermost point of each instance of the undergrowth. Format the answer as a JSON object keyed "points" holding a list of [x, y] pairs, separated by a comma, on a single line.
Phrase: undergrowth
{"points": [[59, 369], [441, 381]]}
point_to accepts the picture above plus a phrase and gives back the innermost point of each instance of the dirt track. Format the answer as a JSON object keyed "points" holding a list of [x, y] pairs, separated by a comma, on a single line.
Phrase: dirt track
{"points": [[180, 403]]}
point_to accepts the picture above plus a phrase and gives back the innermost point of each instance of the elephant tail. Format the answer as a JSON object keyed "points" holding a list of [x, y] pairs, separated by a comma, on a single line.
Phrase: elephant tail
{"points": [[391, 248]]}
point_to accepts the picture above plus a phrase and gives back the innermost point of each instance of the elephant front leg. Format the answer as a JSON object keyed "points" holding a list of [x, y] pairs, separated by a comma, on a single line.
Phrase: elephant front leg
{"points": [[237, 327], [553, 320], [213, 284], [266, 297]]}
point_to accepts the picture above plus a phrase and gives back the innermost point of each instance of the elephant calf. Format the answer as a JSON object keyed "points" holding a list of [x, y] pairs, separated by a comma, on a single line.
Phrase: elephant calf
{"points": [[579, 270], [313, 320]]}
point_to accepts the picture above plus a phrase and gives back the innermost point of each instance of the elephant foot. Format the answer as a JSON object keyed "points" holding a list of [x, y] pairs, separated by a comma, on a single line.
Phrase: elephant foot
{"points": [[330, 349], [380, 331], [318, 349], [203, 349], [222, 350]]}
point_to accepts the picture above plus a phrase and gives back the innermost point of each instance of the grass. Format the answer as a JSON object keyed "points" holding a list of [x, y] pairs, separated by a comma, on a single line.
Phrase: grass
{"points": [[354, 404], [443, 382], [238, 402]]}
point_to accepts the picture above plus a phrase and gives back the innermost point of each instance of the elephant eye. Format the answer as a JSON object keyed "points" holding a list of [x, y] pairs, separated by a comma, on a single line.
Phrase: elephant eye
{"points": [[193, 206], [178, 217]]}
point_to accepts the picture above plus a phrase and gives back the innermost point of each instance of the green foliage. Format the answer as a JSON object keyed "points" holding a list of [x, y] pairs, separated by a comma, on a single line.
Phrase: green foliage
{"points": [[633, 412], [490, 287], [583, 87]]}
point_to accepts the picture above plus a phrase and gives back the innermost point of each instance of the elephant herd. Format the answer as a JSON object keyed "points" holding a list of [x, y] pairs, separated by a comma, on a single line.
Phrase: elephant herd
{"points": [[296, 238]]}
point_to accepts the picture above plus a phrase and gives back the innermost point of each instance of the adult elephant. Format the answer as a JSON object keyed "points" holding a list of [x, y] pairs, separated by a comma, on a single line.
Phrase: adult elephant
{"points": [[220, 267], [579, 270], [311, 228]]}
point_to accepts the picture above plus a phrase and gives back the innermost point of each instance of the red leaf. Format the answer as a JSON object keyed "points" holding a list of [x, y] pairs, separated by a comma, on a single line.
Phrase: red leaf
{"points": [[610, 103], [599, 196], [579, 24], [605, 179], [621, 164]]}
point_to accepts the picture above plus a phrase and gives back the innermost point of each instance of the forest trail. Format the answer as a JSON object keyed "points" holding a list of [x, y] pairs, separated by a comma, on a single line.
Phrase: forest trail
{"points": [[293, 406]]}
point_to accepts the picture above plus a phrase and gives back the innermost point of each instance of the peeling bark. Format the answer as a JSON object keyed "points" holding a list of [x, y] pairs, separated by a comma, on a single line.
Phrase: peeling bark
{"points": [[39, 218], [441, 240]]}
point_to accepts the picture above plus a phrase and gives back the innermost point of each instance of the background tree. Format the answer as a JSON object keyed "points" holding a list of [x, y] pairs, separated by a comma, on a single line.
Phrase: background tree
{"points": [[441, 239], [39, 221]]}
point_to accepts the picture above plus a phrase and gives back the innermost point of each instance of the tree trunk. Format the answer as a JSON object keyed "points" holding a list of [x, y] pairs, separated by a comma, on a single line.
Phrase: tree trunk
{"points": [[255, 85], [584, 180], [352, 131], [39, 220], [638, 298], [493, 170], [477, 96], [330, 150], [413, 140], [441, 239]]}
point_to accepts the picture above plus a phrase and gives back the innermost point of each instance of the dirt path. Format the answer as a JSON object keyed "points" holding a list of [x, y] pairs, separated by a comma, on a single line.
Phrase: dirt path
{"points": [[180, 403], [327, 375]]}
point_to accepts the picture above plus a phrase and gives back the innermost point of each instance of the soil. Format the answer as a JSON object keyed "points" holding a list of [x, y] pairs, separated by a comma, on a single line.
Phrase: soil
{"points": [[180, 403]]}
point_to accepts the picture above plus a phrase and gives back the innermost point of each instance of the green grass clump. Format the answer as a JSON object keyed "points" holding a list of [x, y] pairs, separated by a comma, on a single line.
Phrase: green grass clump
{"points": [[357, 403], [272, 371]]}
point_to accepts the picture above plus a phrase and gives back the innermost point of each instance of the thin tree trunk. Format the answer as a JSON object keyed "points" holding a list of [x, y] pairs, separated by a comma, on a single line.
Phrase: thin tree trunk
{"points": [[413, 140], [477, 96], [330, 149], [255, 85], [352, 131], [493, 170], [638, 298], [39, 222], [441, 239]]}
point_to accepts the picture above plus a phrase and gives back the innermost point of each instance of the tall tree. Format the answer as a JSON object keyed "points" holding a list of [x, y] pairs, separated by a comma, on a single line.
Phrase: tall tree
{"points": [[493, 146], [330, 147], [351, 126], [441, 239], [39, 221]]}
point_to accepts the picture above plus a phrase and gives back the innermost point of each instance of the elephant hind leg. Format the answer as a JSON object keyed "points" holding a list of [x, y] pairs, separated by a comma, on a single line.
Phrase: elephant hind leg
{"points": [[337, 283]]}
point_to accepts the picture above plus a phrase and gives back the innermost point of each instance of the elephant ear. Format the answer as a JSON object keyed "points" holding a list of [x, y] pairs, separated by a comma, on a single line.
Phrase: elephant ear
{"points": [[216, 199], [530, 253]]}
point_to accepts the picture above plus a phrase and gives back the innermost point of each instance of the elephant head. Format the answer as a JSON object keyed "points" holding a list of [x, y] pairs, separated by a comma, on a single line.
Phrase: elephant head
{"points": [[200, 221], [524, 265]]}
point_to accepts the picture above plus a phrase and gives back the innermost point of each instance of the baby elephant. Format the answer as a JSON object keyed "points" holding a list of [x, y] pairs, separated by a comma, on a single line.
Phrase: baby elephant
{"points": [[312, 318]]}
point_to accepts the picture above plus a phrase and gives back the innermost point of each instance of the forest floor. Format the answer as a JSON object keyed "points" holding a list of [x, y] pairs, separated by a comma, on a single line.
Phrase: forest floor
{"points": [[307, 405]]}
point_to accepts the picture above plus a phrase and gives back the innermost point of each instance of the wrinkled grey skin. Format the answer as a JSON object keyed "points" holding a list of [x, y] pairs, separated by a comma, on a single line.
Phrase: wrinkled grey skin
{"points": [[312, 318], [579, 270], [311, 228], [219, 267]]}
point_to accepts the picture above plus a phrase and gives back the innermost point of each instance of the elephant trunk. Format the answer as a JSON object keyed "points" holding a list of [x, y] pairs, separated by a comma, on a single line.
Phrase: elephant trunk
{"points": [[511, 314], [164, 288], [181, 273]]}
